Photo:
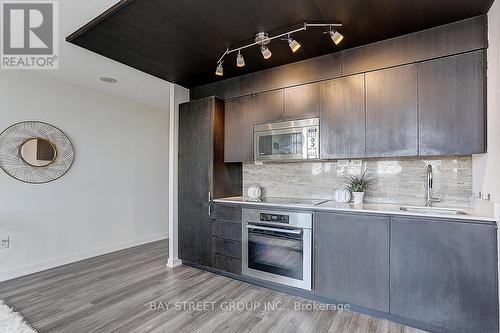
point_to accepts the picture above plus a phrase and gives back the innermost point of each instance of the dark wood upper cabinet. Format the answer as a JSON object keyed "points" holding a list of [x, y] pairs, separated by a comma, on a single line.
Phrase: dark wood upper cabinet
{"points": [[241, 114], [342, 117], [266, 107], [351, 259], [238, 131], [435, 107], [452, 105], [444, 273], [202, 171], [391, 112], [302, 101]]}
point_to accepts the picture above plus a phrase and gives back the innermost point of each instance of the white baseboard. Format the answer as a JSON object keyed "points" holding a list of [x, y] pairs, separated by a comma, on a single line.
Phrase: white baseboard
{"points": [[60, 261]]}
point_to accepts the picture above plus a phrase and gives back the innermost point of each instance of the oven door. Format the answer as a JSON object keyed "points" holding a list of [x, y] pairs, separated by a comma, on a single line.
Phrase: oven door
{"points": [[281, 255], [281, 144]]}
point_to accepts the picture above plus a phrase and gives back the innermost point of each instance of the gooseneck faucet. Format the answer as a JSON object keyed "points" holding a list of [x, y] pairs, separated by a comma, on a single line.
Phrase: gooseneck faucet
{"points": [[429, 198]]}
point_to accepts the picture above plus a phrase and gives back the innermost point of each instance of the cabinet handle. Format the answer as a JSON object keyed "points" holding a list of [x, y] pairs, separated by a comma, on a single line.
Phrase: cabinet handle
{"points": [[209, 196], [209, 210]]}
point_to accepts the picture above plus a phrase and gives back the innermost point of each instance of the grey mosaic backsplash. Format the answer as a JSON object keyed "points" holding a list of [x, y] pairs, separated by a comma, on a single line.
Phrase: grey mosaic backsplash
{"points": [[401, 181]]}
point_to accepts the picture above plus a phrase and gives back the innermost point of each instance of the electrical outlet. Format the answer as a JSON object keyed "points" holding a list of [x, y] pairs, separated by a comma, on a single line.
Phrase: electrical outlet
{"points": [[4, 243], [485, 196]]}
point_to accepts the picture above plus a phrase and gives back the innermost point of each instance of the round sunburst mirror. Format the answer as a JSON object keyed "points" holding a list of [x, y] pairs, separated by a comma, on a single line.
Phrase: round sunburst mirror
{"points": [[35, 152]]}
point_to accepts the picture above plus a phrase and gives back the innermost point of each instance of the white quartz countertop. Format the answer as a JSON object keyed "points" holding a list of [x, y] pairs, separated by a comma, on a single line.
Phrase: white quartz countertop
{"points": [[328, 205]]}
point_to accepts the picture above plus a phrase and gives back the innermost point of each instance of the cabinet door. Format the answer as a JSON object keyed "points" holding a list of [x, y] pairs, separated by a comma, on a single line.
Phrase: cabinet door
{"points": [[342, 118], [266, 107], [391, 112], [451, 98], [238, 133], [352, 259], [444, 274], [302, 101], [195, 163]]}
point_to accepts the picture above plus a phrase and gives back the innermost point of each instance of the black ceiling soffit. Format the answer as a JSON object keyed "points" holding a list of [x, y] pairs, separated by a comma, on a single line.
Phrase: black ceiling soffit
{"points": [[181, 41]]}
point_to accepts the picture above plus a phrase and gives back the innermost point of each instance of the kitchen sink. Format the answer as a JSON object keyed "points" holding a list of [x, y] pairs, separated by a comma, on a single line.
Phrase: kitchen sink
{"points": [[434, 210]]}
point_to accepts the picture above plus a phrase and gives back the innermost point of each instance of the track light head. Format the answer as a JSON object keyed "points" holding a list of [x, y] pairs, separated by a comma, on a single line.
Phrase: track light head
{"points": [[294, 45], [266, 53], [240, 61], [219, 71], [336, 36]]}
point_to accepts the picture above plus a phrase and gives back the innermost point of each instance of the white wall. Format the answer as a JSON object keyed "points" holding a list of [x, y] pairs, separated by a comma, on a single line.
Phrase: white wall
{"points": [[114, 196], [486, 166]]}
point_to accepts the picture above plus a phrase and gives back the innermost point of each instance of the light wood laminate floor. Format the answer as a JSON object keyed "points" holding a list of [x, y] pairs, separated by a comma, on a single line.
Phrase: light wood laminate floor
{"points": [[113, 293]]}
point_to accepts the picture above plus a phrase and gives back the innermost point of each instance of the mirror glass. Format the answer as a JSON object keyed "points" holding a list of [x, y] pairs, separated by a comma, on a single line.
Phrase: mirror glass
{"points": [[38, 152]]}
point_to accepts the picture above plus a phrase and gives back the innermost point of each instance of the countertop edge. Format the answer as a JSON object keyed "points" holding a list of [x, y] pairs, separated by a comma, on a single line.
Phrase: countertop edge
{"points": [[483, 219]]}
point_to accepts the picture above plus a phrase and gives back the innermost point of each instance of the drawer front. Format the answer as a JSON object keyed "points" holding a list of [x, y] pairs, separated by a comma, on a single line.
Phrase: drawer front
{"points": [[227, 247], [227, 230], [227, 264], [230, 213]]}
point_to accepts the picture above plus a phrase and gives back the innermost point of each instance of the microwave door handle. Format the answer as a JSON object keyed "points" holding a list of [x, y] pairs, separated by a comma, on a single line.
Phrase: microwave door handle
{"points": [[287, 231]]}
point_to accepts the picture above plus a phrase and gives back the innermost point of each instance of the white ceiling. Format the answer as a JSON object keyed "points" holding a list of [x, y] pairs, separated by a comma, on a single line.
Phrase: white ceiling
{"points": [[84, 68]]}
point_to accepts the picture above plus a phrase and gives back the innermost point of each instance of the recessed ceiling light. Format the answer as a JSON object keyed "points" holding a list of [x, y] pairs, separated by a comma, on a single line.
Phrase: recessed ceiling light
{"points": [[107, 79]]}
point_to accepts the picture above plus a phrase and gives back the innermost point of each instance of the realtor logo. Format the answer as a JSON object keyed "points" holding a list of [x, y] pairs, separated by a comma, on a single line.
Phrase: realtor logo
{"points": [[29, 35]]}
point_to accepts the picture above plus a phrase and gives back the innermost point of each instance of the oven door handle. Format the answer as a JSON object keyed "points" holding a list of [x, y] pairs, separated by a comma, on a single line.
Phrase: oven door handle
{"points": [[287, 231]]}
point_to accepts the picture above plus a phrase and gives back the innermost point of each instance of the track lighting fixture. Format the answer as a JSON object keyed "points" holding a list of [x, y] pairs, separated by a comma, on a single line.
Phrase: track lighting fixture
{"points": [[294, 45], [262, 39], [219, 71], [266, 53], [240, 61], [336, 36]]}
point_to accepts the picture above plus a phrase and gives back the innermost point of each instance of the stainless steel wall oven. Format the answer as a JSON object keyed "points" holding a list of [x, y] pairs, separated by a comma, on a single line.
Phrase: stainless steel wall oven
{"points": [[277, 246]]}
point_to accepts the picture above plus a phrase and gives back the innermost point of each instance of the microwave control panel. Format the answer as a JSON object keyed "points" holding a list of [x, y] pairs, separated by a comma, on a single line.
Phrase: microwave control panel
{"points": [[312, 143]]}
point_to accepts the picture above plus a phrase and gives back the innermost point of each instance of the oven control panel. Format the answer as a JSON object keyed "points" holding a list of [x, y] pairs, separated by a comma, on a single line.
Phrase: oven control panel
{"points": [[312, 142], [274, 218]]}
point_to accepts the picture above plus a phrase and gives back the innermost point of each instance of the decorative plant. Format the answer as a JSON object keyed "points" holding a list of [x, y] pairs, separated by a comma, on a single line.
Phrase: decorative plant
{"points": [[359, 183]]}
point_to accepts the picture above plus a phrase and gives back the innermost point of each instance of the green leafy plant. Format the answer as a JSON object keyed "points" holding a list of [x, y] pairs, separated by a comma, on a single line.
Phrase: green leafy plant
{"points": [[359, 183]]}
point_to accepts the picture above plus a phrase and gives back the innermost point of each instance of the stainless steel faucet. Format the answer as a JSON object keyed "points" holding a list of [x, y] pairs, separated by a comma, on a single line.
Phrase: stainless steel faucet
{"points": [[429, 198]]}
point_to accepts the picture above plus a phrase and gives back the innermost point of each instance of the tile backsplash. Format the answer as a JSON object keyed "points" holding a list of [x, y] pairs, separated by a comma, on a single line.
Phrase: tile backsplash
{"points": [[401, 180]]}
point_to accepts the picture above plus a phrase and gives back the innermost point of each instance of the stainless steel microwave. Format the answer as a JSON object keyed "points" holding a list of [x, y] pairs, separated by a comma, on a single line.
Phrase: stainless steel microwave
{"points": [[288, 140]]}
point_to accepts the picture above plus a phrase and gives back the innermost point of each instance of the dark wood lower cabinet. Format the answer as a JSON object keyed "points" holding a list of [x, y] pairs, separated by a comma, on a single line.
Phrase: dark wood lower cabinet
{"points": [[227, 264], [351, 258], [226, 241], [445, 274]]}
